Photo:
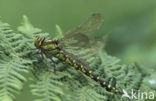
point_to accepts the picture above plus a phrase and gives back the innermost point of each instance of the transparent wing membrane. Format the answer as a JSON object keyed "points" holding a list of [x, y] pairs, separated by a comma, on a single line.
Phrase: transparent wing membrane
{"points": [[89, 26], [77, 41]]}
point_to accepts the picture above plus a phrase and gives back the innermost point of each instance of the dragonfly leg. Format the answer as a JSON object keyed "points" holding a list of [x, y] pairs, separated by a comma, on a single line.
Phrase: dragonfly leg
{"points": [[54, 63], [37, 53], [42, 58]]}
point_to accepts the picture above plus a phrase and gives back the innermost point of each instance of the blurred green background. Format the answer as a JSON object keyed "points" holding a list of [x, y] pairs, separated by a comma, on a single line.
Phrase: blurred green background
{"points": [[131, 23]]}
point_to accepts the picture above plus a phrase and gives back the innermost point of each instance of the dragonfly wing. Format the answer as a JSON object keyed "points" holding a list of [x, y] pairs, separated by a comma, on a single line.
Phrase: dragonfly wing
{"points": [[77, 41], [85, 29], [89, 26]]}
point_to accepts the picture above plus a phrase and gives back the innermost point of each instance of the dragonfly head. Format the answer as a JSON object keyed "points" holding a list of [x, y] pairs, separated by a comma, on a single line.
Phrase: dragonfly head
{"points": [[38, 41]]}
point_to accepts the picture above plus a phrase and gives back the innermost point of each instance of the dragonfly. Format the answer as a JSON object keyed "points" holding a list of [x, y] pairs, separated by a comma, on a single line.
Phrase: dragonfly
{"points": [[75, 46]]}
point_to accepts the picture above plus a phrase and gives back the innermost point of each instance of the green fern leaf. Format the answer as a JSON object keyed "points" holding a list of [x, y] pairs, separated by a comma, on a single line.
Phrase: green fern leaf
{"points": [[46, 88], [27, 28], [12, 63]]}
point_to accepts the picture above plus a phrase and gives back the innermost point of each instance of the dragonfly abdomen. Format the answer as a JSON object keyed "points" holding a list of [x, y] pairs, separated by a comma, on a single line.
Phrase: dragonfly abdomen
{"points": [[79, 66]]}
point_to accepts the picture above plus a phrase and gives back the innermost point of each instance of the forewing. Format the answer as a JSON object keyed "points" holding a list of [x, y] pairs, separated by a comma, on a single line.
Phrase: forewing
{"points": [[89, 26], [84, 30], [77, 42]]}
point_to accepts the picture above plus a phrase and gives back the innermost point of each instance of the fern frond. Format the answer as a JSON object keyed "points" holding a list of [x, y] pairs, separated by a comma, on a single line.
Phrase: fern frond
{"points": [[58, 33], [12, 63], [47, 88], [87, 93], [27, 28]]}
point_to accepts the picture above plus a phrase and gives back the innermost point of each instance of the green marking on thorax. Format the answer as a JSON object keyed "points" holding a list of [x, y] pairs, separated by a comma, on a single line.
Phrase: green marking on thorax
{"points": [[52, 49]]}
